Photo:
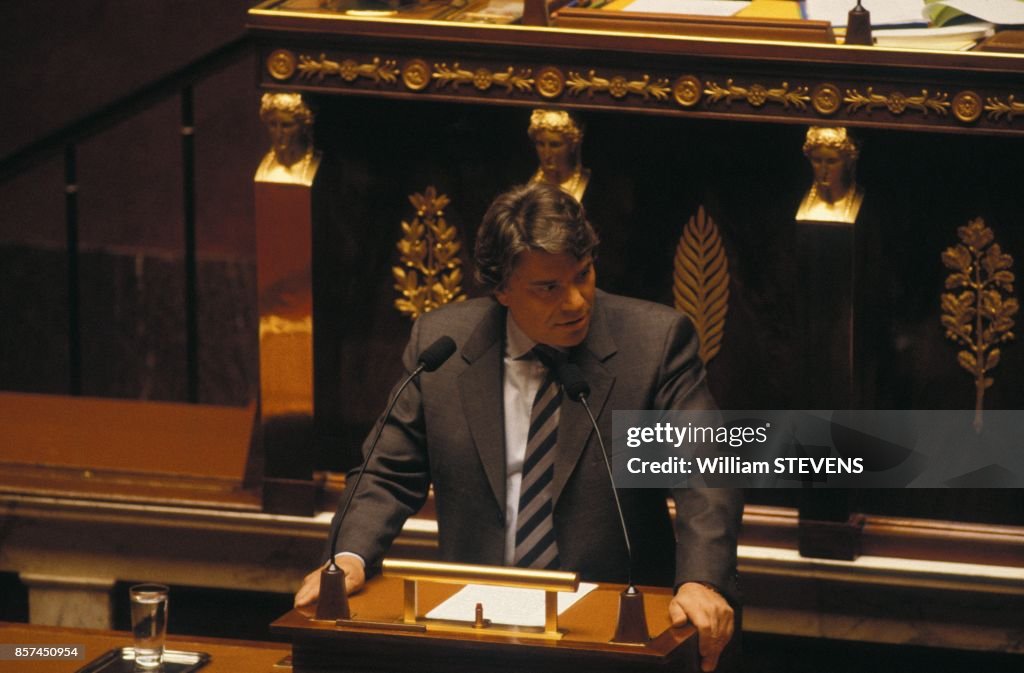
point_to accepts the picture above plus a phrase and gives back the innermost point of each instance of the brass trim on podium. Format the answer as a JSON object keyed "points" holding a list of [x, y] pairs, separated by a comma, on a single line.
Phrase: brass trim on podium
{"points": [[549, 581], [467, 573]]}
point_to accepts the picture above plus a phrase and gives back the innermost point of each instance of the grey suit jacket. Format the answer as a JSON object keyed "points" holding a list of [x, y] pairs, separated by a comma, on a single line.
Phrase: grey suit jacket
{"points": [[448, 430]]}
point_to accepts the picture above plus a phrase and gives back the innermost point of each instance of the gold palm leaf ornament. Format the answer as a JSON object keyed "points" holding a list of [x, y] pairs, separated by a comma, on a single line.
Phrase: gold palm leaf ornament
{"points": [[978, 311], [429, 275], [701, 281]]}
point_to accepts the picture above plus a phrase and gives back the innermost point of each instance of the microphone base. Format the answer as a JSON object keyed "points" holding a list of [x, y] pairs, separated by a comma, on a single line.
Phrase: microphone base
{"points": [[631, 628], [858, 27], [333, 602]]}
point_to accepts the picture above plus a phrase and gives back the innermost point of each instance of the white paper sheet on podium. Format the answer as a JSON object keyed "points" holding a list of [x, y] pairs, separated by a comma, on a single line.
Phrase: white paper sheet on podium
{"points": [[504, 605]]}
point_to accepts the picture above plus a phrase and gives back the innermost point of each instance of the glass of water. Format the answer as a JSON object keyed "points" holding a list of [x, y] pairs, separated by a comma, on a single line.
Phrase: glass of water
{"points": [[149, 624]]}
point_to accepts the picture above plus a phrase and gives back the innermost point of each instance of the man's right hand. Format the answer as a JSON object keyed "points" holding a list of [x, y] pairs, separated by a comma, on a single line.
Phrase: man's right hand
{"points": [[355, 577]]}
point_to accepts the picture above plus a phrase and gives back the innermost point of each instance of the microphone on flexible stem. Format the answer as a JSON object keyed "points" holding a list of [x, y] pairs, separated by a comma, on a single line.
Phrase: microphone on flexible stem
{"points": [[333, 601], [631, 628]]}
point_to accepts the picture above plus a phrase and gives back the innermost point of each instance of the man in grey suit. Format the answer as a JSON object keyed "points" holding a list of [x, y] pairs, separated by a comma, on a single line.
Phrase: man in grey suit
{"points": [[496, 438]]}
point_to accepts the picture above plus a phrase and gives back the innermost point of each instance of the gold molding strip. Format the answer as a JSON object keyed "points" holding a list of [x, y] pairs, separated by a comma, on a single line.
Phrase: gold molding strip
{"points": [[548, 82]]}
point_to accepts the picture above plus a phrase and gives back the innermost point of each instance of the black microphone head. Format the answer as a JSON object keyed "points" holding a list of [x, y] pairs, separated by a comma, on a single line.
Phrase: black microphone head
{"points": [[437, 353], [576, 387]]}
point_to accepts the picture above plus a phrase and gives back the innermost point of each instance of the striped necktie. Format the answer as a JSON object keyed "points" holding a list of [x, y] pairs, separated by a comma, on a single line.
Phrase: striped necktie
{"points": [[535, 530]]}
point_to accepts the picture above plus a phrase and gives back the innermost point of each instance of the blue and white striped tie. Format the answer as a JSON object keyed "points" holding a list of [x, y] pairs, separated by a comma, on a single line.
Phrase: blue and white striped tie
{"points": [[535, 530]]}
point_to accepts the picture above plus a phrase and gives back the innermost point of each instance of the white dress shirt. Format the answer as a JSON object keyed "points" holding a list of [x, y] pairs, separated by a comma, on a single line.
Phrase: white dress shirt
{"points": [[522, 376]]}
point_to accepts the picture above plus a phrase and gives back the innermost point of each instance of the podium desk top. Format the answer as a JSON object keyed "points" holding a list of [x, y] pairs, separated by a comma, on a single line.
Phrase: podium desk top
{"points": [[588, 626]]}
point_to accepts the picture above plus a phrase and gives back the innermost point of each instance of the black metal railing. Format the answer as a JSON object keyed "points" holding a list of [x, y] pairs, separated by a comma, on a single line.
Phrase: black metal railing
{"points": [[179, 83]]}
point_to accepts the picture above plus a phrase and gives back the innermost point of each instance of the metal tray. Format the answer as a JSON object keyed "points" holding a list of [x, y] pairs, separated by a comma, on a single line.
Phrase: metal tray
{"points": [[122, 660]]}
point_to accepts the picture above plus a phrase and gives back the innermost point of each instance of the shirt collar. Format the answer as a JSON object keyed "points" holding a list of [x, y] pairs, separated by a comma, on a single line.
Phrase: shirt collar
{"points": [[517, 344]]}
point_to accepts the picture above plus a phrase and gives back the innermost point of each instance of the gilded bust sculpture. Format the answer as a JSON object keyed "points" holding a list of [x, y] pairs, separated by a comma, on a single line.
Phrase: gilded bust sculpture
{"points": [[292, 158], [835, 196], [557, 137]]}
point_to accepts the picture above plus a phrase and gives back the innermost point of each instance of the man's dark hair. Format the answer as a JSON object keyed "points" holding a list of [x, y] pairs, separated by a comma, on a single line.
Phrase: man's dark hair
{"points": [[536, 216]]}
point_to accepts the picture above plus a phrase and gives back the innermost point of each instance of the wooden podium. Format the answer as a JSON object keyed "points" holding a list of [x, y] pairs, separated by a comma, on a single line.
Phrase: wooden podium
{"points": [[377, 639]]}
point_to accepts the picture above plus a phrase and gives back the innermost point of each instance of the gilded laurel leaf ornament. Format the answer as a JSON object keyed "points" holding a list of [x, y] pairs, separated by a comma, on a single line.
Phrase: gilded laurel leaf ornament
{"points": [[978, 310], [429, 275], [618, 86], [454, 75], [519, 81], [757, 95], [997, 108], [701, 281], [896, 102], [379, 70]]}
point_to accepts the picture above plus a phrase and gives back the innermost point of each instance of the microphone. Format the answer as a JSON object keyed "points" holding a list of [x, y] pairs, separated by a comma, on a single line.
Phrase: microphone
{"points": [[435, 355], [632, 623], [333, 601], [576, 387]]}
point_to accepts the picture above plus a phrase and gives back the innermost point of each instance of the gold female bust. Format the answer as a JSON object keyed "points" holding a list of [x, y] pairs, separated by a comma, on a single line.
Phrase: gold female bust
{"points": [[557, 137], [292, 158], [835, 195]]}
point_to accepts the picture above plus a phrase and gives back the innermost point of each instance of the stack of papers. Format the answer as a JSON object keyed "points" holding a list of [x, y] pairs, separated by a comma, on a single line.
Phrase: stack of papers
{"points": [[946, 38], [923, 24], [934, 13], [883, 12], [1001, 12]]}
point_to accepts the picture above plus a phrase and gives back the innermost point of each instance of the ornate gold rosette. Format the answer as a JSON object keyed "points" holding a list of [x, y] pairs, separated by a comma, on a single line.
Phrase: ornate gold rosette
{"points": [[416, 75], [429, 275], [281, 64], [687, 90], [967, 106], [550, 82], [980, 315], [826, 99]]}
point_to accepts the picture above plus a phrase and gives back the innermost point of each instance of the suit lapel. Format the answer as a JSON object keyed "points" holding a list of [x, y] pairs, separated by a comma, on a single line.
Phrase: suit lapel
{"points": [[480, 386], [574, 426]]}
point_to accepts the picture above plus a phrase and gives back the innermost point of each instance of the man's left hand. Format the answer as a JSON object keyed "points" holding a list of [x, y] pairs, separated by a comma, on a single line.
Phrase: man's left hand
{"points": [[709, 613]]}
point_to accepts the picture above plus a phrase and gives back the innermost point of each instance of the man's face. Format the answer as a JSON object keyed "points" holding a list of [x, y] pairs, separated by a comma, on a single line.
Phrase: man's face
{"points": [[551, 296]]}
